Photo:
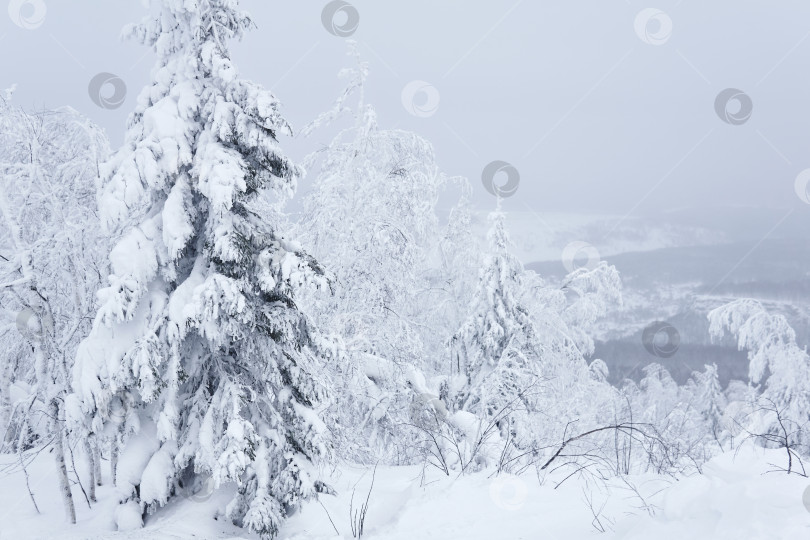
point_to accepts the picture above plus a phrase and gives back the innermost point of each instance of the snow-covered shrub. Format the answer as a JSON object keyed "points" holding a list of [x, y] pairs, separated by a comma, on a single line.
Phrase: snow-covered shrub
{"points": [[776, 410], [684, 419], [53, 261], [371, 220]]}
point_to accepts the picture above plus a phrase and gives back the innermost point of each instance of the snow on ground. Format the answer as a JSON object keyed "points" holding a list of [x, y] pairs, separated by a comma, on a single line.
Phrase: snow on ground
{"points": [[189, 518], [736, 498]]}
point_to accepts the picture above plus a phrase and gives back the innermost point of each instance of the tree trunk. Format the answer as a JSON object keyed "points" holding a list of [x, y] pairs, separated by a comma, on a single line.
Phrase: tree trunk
{"points": [[113, 458], [97, 460], [61, 468], [5, 401], [91, 462]]}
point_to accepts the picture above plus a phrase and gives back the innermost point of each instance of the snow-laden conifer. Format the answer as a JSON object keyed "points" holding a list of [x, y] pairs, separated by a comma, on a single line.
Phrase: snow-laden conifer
{"points": [[200, 363]]}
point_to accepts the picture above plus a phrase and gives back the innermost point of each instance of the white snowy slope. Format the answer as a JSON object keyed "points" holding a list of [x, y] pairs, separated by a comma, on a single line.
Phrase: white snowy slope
{"points": [[542, 236], [737, 497]]}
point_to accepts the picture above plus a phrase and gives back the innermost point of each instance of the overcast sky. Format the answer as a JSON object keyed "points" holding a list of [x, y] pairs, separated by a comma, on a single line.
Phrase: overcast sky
{"points": [[599, 112]]}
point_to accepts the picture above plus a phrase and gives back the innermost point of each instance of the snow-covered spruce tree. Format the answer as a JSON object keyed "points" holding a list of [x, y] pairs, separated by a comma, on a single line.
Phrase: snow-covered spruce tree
{"points": [[495, 355], [199, 359], [519, 357], [779, 371], [455, 276], [514, 309], [52, 261], [710, 402], [370, 219]]}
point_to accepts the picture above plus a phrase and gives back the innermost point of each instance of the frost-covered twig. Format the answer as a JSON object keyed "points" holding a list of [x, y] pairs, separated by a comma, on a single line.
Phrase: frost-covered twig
{"points": [[596, 522], [78, 479], [337, 532], [27, 482], [358, 518]]}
